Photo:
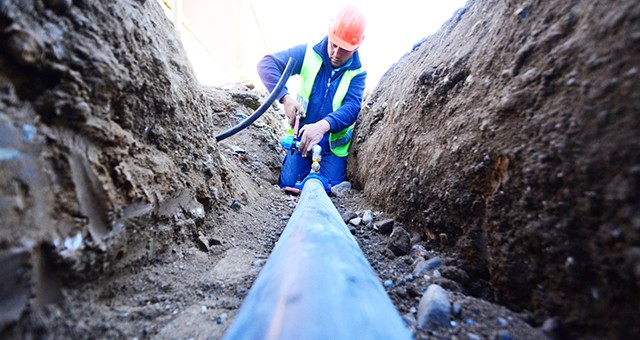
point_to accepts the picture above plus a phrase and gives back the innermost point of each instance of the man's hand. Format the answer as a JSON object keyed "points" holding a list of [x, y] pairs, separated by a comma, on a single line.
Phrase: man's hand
{"points": [[311, 135], [292, 109]]}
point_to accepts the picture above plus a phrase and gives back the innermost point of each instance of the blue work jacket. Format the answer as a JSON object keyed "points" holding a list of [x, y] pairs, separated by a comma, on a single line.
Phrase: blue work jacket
{"points": [[270, 69]]}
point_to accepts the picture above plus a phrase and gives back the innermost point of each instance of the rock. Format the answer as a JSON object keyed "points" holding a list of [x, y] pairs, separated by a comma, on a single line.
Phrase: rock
{"points": [[24, 47], [202, 243], [472, 336], [348, 215], [222, 318], [434, 308], [384, 226], [456, 274], [447, 284], [355, 221], [197, 211], [399, 242], [59, 6], [422, 267], [237, 150], [341, 189], [502, 335], [409, 320], [15, 285], [388, 253], [235, 205], [367, 217], [456, 310], [215, 194], [551, 326], [388, 284]]}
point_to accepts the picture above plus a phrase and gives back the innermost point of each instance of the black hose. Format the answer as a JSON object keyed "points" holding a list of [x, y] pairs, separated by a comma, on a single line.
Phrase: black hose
{"points": [[276, 91]]}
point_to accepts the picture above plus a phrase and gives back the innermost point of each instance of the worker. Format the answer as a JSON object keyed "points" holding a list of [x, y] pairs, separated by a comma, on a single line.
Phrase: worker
{"points": [[329, 98]]}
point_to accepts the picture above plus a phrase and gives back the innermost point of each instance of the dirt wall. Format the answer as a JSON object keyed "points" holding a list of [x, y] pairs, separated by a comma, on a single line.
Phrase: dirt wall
{"points": [[103, 128], [515, 131]]}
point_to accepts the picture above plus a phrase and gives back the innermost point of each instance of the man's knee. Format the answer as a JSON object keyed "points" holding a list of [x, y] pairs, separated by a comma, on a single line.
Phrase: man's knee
{"points": [[294, 169], [335, 170]]}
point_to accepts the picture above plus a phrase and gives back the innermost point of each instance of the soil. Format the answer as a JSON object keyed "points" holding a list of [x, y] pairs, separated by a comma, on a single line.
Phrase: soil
{"points": [[506, 145], [517, 126]]}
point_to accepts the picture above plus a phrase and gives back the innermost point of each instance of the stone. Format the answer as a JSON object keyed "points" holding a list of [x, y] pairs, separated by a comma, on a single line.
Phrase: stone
{"points": [[422, 267], [456, 274], [384, 226], [221, 318], [399, 242], [502, 335], [551, 326], [456, 310], [355, 221], [348, 215], [434, 309], [235, 205], [341, 189], [409, 320], [472, 336], [367, 217], [238, 150], [202, 243], [59, 6]]}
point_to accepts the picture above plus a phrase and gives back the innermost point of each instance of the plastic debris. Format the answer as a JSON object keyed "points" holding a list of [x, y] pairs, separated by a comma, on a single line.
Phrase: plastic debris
{"points": [[418, 250], [29, 133], [73, 243]]}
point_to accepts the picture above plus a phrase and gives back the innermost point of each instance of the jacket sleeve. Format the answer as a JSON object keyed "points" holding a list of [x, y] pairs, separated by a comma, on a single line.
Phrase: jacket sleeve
{"points": [[271, 67], [348, 113]]}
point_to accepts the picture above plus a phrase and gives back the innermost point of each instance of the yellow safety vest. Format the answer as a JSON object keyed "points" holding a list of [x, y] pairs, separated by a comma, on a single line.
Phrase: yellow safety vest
{"points": [[339, 142]]}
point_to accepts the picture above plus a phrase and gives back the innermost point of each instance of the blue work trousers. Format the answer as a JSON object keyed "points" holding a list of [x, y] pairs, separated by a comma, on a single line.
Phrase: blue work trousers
{"points": [[296, 168]]}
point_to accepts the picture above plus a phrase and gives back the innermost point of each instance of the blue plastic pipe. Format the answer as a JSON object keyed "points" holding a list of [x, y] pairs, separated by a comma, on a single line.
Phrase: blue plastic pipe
{"points": [[317, 283]]}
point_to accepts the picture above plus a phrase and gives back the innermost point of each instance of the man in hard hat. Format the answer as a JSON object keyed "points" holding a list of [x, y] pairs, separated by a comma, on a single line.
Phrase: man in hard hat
{"points": [[329, 99]]}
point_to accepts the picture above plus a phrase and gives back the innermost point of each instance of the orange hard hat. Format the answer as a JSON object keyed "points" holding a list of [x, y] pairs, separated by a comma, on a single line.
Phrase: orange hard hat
{"points": [[347, 28]]}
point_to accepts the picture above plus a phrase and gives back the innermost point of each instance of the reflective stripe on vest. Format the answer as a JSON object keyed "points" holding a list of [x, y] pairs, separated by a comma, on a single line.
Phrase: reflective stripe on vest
{"points": [[339, 142]]}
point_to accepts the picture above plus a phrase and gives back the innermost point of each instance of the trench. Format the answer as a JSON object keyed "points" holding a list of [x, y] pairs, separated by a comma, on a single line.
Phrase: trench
{"points": [[494, 184]]}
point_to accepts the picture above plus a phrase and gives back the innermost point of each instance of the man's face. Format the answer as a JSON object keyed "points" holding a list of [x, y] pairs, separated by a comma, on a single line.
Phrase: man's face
{"points": [[339, 56]]}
